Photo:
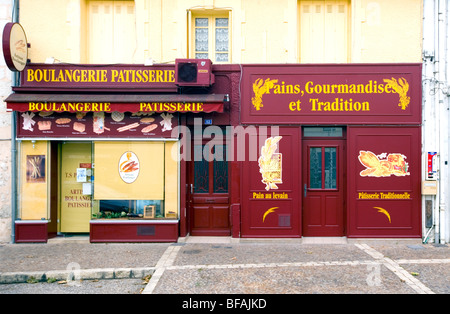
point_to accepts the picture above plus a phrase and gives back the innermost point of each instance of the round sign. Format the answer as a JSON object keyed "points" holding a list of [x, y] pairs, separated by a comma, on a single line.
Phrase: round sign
{"points": [[129, 167], [15, 47]]}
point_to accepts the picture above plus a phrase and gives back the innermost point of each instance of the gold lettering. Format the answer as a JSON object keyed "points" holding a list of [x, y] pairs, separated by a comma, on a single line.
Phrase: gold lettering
{"points": [[295, 105], [159, 75], [30, 75], [92, 76], [114, 74]]}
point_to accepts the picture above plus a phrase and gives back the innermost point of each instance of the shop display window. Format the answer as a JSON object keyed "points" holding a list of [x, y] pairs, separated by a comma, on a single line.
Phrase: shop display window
{"points": [[134, 180], [33, 181], [130, 209]]}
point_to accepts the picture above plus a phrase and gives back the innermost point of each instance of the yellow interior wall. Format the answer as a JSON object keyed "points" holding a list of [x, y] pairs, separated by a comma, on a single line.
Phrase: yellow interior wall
{"points": [[33, 195]]}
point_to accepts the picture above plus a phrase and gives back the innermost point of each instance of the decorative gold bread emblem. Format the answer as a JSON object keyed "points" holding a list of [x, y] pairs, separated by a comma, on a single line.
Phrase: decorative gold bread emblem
{"points": [[260, 89], [270, 163], [382, 166], [401, 87]]}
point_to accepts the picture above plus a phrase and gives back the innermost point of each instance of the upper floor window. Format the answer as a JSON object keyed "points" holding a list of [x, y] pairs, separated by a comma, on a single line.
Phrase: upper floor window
{"points": [[111, 31], [211, 37], [324, 31]]}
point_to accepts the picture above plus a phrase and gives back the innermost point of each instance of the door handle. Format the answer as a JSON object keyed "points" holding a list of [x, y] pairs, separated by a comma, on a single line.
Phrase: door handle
{"points": [[304, 190], [192, 189]]}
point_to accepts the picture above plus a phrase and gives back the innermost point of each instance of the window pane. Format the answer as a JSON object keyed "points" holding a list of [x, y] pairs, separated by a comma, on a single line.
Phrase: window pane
{"points": [[201, 56], [315, 167], [222, 22], [201, 171], [34, 179], [222, 57], [221, 39], [220, 169], [201, 22], [322, 132], [330, 168], [201, 39]]}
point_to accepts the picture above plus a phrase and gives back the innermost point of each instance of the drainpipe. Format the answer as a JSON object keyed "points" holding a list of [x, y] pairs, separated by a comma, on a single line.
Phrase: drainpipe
{"points": [[431, 96], [437, 113], [15, 82], [441, 119], [443, 136]]}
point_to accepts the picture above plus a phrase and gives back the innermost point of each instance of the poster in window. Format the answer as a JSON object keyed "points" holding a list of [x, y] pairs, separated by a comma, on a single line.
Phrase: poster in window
{"points": [[35, 168]]}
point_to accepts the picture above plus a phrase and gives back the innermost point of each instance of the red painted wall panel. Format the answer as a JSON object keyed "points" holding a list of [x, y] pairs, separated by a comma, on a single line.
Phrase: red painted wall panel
{"points": [[269, 211], [30, 232], [133, 232], [384, 173]]}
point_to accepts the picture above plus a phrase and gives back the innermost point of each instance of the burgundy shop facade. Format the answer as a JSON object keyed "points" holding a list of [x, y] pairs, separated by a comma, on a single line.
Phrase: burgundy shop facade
{"points": [[99, 151], [347, 157]]}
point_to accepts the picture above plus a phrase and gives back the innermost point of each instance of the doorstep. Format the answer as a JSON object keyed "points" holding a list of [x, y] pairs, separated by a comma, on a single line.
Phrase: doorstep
{"points": [[69, 239]]}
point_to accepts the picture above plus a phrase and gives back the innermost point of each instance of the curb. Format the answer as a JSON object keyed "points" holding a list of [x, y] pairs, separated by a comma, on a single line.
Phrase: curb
{"points": [[74, 275]]}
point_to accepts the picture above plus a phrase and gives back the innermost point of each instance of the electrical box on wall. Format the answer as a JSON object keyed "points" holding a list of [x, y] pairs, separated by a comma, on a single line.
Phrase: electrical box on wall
{"points": [[429, 187], [194, 72]]}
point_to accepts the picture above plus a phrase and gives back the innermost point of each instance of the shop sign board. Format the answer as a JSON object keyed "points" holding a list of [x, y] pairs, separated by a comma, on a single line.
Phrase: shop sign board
{"points": [[15, 46], [146, 107], [331, 94], [91, 77]]}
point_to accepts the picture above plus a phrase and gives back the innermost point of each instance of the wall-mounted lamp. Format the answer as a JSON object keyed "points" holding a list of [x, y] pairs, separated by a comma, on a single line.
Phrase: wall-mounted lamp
{"points": [[34, 144]]}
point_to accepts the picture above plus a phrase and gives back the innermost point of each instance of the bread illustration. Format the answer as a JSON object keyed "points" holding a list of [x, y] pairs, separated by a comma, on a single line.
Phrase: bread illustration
{"points": [[63, 120], [147, 120], [79, 127], [394, 165], [149, 128], [44, 125]]}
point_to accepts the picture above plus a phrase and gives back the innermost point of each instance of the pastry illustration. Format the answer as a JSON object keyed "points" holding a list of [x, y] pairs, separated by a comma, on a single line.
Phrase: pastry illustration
{"points": [[80, 115], [117, 116], [45, 113]]}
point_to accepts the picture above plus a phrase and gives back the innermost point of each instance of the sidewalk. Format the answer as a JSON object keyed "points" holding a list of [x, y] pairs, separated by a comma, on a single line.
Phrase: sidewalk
{"points": [[238, 266]]}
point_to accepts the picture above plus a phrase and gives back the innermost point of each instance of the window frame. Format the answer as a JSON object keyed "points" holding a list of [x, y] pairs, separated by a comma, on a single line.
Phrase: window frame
{"points": [[211, 15]]}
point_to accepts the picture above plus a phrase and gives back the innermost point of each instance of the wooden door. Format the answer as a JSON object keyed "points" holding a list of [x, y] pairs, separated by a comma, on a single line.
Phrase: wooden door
{"points": [[323, 187], [208, 191], [74, 205]]}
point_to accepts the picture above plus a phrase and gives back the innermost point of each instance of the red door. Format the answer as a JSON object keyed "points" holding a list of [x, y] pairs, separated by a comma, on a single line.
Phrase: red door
{"points": [[208, 191], [323, 187]]}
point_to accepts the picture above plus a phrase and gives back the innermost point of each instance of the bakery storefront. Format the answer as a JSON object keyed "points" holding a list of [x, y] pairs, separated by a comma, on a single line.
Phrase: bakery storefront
{"points": [[347, 158], [98, 151]]}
